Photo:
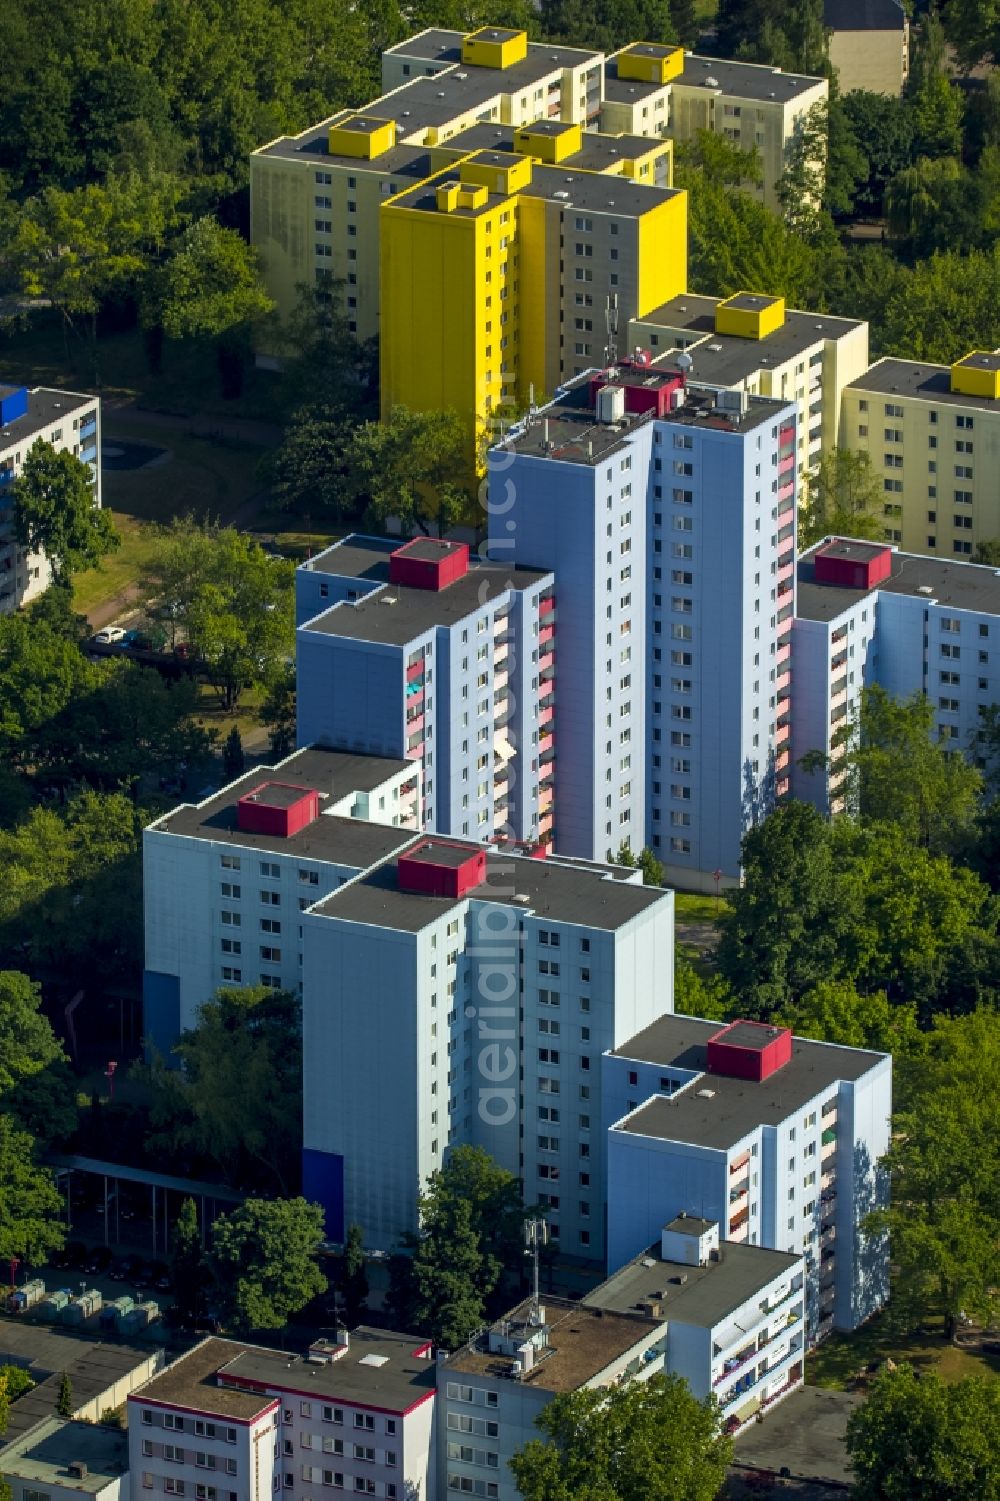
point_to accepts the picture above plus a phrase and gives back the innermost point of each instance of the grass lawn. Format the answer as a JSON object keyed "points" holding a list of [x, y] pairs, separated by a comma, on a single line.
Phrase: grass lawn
{"points": [[118, 570], [693, 906], [839, 1359], [211, 715]]}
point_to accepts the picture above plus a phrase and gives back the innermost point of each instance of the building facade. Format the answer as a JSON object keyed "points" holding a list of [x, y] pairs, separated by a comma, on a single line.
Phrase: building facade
{"points": [[869, 43], [457, 996], [406, 651], [64, 1461], [777, 1140], [669, 511], [66, 420], [868, 613], [235, 1422], [661, 90], [733, 1315], [933, 433], [225, 881]]}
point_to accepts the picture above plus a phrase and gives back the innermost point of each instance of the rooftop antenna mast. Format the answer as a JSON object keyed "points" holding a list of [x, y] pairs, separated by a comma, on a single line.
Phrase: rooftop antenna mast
{"points": [[611, 321], [536, 1235]]}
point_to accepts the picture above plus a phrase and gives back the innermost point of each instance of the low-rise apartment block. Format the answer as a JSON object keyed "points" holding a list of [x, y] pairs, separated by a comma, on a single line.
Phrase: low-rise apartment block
{"points": [[776, 1139], [406, 650], [668, 511], [733, 1315], [226, 880], [749, 342], [67, 420], [868, 613], [235, 1422], [491, 1392], [652, 89], [454, 995], [67, 1461], [933, 434]]}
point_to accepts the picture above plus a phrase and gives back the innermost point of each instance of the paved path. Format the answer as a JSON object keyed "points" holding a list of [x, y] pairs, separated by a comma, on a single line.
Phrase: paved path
{"points": [[696, 934]]}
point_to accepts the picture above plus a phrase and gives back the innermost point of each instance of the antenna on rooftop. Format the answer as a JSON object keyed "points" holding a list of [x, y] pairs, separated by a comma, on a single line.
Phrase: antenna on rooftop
{"points": [[611, 321], [532, 405], [536, 1235]]}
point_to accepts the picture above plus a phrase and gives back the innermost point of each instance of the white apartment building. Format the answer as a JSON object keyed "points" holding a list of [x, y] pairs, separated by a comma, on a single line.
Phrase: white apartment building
{"points": [[236, 1422], [776, 1139], [226, 881], [868, 613], [68, 421], [453, 995], [66, 1461], [733, 1315]]}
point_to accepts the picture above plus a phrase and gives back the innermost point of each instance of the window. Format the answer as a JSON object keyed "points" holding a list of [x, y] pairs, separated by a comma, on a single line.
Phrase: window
{"points": [[309, 877], [230, 862], [364, 1420]]}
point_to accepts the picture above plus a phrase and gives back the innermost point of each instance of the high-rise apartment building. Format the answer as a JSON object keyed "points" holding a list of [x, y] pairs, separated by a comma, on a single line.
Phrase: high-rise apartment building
{"points": [[66, 420], [777, 1139], [652, 89], [867, 613], [407, 651], [225, 881], [669, 511], [933, 434], [456, 995], [750, 343]]}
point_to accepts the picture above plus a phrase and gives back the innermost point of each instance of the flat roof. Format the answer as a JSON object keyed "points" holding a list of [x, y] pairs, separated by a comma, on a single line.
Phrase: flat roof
{"points": [[397, 613], [380, 1368], [751, 302], [45, 406], [332, 837], [756, 81], [864, 15], [690, 1224], [752, 1035], [46, 1453], [356, 557], [276, 795], [708, 1295], [429, 549], [587, 895], [192, 1381], [194, 1187], [597, 152], [979, 360], [920, 381], [438, 44], [736, 1106], [965, 586], [94, 1368], [650, 49], [583, 1341], [436, 851], [596, 192], [409, 162]]}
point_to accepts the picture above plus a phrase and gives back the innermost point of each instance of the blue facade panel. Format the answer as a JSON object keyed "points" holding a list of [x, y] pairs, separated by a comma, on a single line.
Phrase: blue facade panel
{"points": [[323, 1183], [161, 1014]]}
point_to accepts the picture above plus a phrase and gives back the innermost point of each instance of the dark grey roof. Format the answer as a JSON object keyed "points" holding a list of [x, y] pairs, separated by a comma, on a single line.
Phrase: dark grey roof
{"points": [[414, 612], [380, 1368], [45, 406], [743, 80], [726, 359], [355, 557], [436, 44], [409, 163], [597, 151], [709, 1295], [94, 1368], [916, 378], [863, 15], [193, 1187], [45, 1454], [439, 45], [689, 1224], [333, 774], [568, 893], [594, 191], [964, 586], [737, 1106]]}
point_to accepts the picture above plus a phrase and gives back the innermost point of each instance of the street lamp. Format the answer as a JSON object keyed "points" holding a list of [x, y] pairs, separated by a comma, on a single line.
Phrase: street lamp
{"points": [[109, 1074]]}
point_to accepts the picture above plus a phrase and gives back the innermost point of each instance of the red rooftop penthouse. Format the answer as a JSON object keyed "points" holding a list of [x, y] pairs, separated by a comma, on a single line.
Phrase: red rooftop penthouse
{"points": [[438, 868], [277, 808], [749, 1050], [426, 563], [852, 565]]}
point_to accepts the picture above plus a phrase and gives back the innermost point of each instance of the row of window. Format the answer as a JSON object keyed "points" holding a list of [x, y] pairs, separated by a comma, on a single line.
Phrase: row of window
{"points": [[270, 869]]}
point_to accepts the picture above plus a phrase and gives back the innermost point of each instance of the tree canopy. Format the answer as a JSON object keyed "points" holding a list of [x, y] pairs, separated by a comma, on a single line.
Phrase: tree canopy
{"points": [[625, 1443], [55, 511], [263, 1262]]}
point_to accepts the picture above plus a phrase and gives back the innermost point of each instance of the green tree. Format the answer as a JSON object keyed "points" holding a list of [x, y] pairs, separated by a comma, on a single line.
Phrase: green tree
{"points": [[696, 995], [278, 712], [901, 773], [933, 101], [234, 602], [352, 1276], [30, 1204], [27, 1042], [446, 1276], [233, 759], [948, 305], [16, 1381], [918, 1438], [942, 1218], [237, 1098], [55, 512], [737, 242], [833, 1011], [625, 1443], [414, 466], [651, 867], [64, 1402], [684, 19], [187, 1266], [310, 468], [263, 1261], [882, 128], [470, 1176], [988, 552], [844, 497]]}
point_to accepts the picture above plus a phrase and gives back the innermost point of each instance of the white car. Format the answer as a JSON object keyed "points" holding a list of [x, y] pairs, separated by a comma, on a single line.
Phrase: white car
{"points": [[110, 636]]}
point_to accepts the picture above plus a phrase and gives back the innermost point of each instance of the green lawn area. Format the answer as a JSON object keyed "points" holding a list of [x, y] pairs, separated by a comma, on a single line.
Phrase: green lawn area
{"points": [[118, 570], [694, 906], [839, 1359]]}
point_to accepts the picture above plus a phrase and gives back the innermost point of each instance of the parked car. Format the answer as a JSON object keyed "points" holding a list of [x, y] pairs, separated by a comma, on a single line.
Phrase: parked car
{"points": [[138, 640], [112, 635], [73, 1253], [99, 1259]]}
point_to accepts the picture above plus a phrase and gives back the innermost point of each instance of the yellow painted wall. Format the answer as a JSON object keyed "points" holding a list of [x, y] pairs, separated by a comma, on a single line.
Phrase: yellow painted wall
{"points": [[480, 49], [662, 250], [642, 68], [749, 323], [975, 380], [539, 297]]}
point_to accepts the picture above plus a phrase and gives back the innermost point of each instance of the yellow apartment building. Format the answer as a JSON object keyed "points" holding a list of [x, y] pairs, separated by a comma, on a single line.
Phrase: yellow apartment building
{"points": [[752, 343], [933, 433]]}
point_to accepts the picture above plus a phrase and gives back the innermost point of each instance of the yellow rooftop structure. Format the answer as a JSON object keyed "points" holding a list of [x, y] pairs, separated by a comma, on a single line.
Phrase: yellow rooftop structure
{"points": [[978, 374], [750, 315], [494, 47]]}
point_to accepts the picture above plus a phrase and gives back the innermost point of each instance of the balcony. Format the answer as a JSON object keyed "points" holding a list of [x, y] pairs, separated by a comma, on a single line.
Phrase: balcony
{"points": [[501, 787], [414, 722], [546, 770], [546, 743], [546, 661], [784, 652], [829, 1136], [414, 672], [546, 715], [500, 681], [544, 800], [546, 634], [782, 759], [546, 606]]}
